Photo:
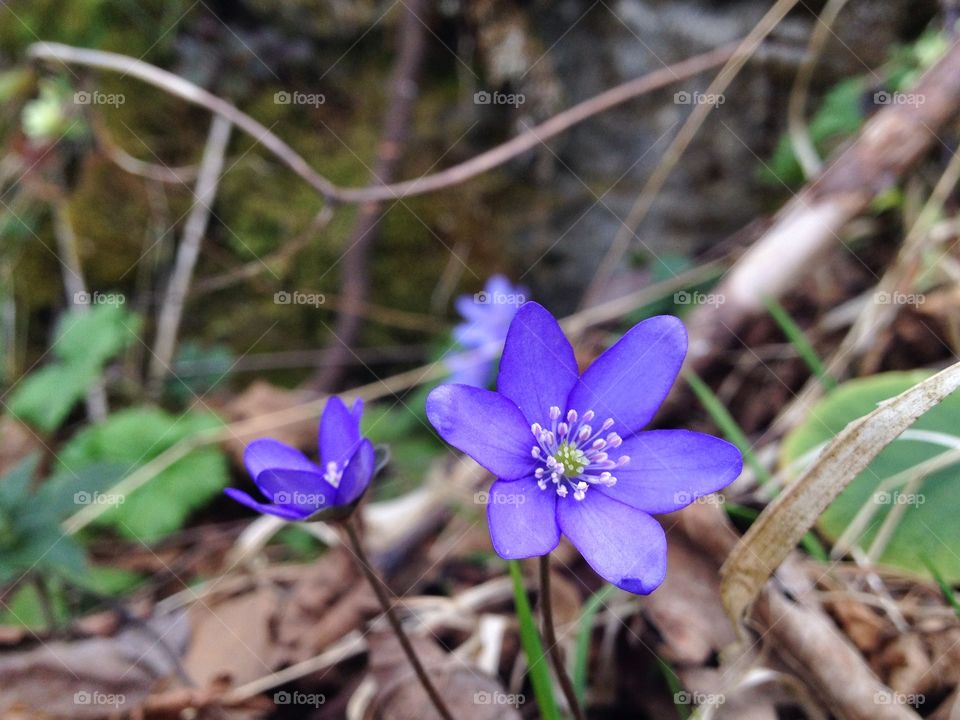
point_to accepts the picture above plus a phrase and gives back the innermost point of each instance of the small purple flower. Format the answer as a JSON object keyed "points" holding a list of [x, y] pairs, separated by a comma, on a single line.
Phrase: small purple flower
{"points": [[298, 488], [487, 315], [569, 450]]}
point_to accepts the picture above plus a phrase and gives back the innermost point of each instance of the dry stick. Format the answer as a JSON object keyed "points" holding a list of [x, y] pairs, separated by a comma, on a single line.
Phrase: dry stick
{"points": [[528, 140], [355, 261], [888, 146], [550, 639], [381, 592], [800, 139], [196, 226], [75, 288], [679, 145]]}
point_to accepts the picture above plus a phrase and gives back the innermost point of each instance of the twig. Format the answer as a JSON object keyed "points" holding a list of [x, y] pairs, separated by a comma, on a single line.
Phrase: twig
{"points": [[355, 261], [653, 186], [800, 139], [75, 288], [171, 311], [550, 639], [381, 592], [455, 175]]}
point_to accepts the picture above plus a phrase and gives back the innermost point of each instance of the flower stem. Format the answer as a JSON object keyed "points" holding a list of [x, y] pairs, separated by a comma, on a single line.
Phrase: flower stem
{"points": [[380, 590], [550, 639]]}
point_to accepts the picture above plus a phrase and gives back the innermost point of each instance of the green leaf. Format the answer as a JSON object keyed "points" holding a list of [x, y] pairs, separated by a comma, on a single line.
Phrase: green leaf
{"points": [[538, 665], [136, 436], [927, 529], [89, 339], [45, 397], [84, 342]]}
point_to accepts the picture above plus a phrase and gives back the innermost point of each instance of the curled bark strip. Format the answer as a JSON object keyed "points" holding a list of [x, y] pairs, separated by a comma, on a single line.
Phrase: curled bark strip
{"points": [[784, 521]]}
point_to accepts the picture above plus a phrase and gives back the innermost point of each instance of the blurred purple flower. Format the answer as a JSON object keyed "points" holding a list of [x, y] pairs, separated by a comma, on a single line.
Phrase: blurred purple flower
{"points": [[569, 451], [298, 488], [487, 315]]}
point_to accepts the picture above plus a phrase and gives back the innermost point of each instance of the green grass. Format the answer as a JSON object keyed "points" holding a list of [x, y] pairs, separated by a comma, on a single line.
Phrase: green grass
{"points": [[724, 420], [538, 666], [584, 634], [800, 342]]}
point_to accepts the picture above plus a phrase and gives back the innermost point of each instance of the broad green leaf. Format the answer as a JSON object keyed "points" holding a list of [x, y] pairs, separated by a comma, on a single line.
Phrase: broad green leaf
{"points": [[846, 456], [45, 397], [927, 532], [84, 342], [136, 436], [93, 337]]}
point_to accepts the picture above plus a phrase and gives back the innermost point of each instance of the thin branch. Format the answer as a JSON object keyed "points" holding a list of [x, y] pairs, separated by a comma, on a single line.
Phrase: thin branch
{"points": [[355, 271], [528, 140], [196, 226], [75, 288], [800, 139], [655, 183]]}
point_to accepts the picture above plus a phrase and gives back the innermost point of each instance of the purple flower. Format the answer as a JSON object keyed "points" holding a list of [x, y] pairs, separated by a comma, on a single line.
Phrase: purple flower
{"points": [[569, 450], [487, 316], [298, 488]]}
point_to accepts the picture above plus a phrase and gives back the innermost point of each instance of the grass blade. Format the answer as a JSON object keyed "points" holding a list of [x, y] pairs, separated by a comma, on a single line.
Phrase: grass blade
{"points": [[724, 420], [800, 343], [584, 634]]}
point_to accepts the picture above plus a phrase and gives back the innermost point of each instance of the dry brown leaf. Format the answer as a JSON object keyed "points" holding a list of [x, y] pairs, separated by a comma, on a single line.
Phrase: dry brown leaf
{"points": [[783, 523], [93, 677], [468, 692], [861, 623], [232, 638], [686, 608]]}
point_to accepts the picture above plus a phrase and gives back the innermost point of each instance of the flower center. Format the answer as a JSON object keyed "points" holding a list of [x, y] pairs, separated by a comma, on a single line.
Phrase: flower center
{"points": [[333, 473], [571, 458], [574, 453]]}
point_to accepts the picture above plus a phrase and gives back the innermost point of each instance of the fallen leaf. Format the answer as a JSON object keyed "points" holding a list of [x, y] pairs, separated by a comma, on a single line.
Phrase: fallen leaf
{"points": [[467, 692], [93, 677]]}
